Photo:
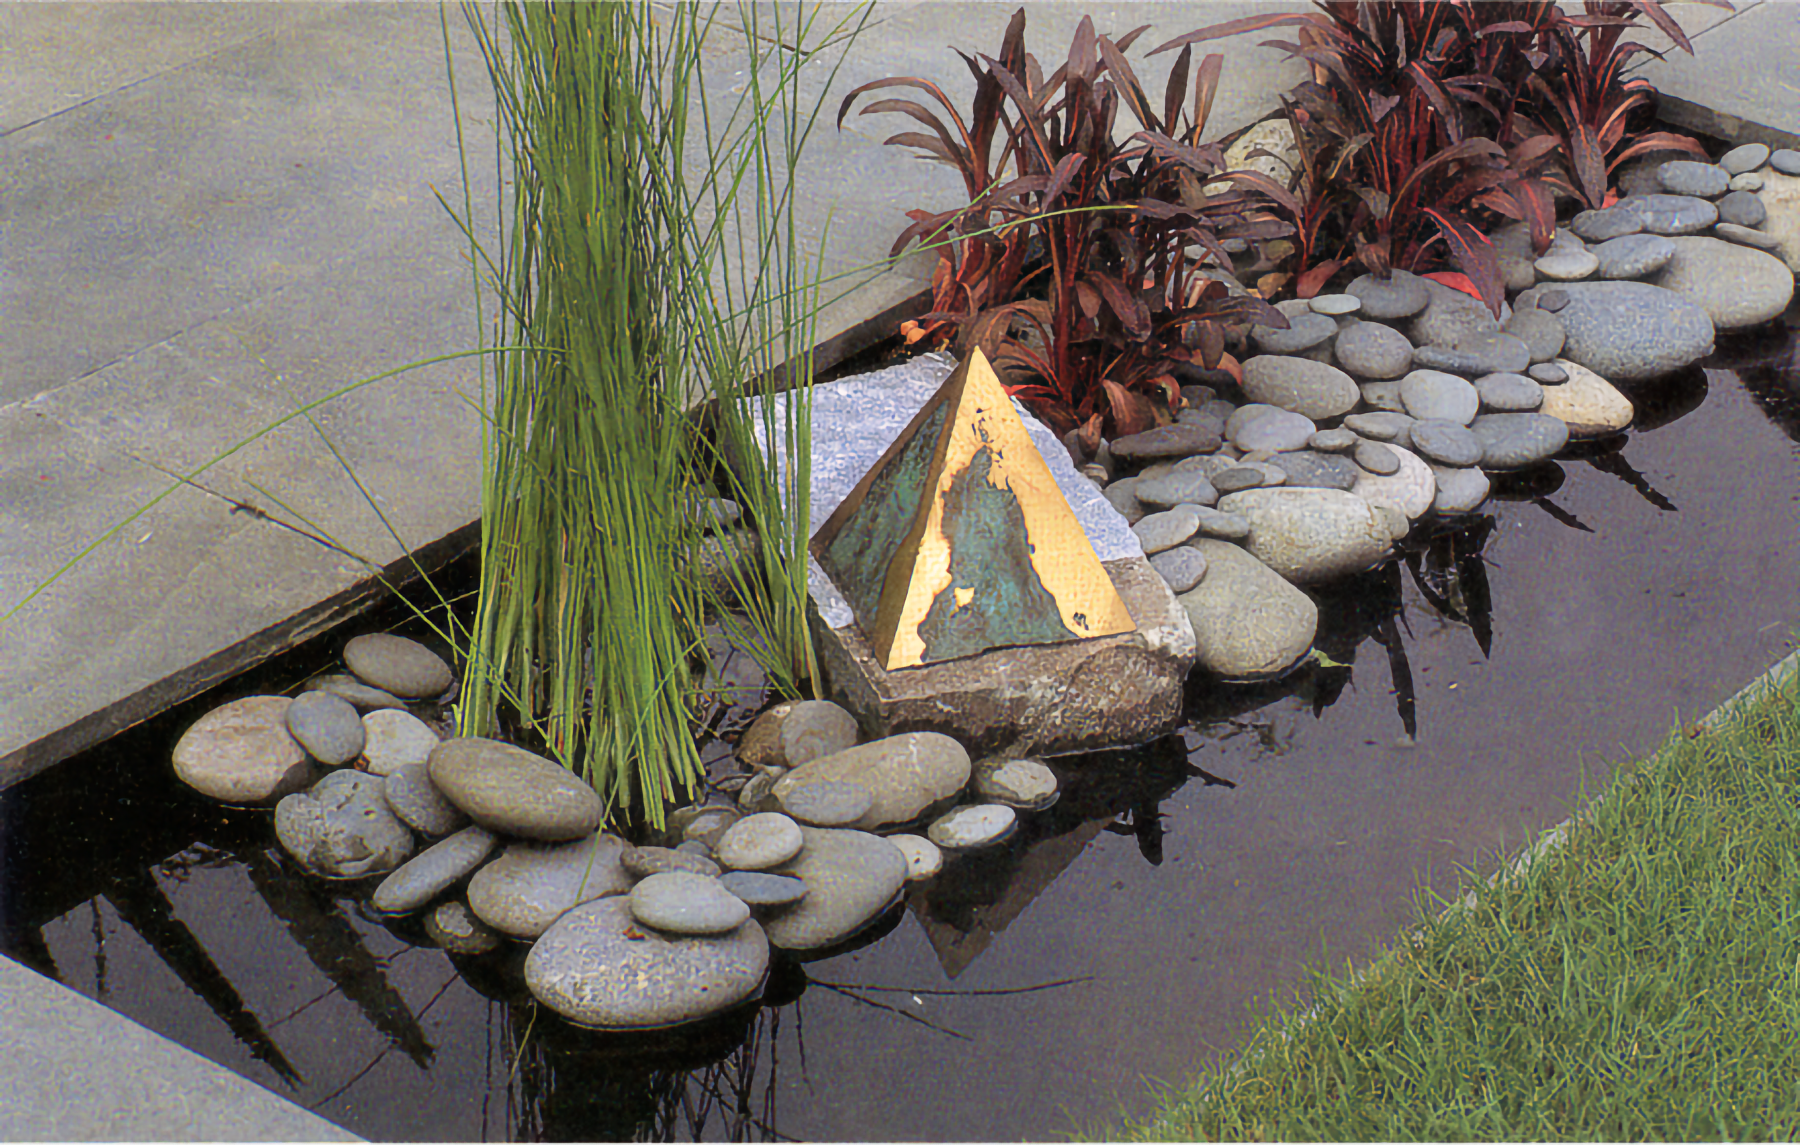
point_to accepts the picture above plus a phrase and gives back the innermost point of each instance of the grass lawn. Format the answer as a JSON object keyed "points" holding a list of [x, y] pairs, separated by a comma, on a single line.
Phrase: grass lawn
{"points": [[1640, 981]]}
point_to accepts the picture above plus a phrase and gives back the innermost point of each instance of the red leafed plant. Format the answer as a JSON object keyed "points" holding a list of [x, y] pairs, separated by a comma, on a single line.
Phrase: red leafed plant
{"points": [[1115, 292]]}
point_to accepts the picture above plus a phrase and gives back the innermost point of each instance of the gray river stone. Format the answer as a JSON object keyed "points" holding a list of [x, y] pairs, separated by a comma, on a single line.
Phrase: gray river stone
{"points": [[1180, 567], [1249, 623], [1509, 393], [1234, 480], [851, 877], [679, 902], [972, 827], [360, 695], [1541, 333], [597, 967], [1748, 236], [1514, 255], [1335, 305], [1452, 317], [1332, 441], [1276, 430], [393, 739], [908, 775], [642, 862], [1377, 458], [454, 927], [1609, 223], [1305, 469], [1434, 394], [1165, 441], [327, 726], [1176, 488], [1671, 214], [1169, 528], [923, 859], [1552, 300], [531, 885], [510, 790], [1548, 373], [1409, 491], [759, 842], [1399, 296], [1475, 354], [1373, 350], [1785, 160], [1748, 181], [1566, 265], [1688, 177], [342, 828], [1446, 442], [829, 803], [1746, 157], [421, 806], [242, 753], [1460, 490], [1221, 526], [707, 826], [1309, 536], [1737, 286], [1634, 256], [1383, 397], [1631, 331], [433, 871], [1304, 331], [1743, 209], [398, 665], [815, 728], [1515, 440], [1299, 385], [1023, 783], [1122, 496], [761, 889], [1382, 425]]}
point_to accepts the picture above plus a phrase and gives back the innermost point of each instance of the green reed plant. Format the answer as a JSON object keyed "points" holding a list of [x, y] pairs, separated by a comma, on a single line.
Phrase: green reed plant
{"points": [[635, 290]]}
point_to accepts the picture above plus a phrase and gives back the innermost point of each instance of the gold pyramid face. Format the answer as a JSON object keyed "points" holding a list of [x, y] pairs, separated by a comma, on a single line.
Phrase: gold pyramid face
{"points": [[959, 540]]}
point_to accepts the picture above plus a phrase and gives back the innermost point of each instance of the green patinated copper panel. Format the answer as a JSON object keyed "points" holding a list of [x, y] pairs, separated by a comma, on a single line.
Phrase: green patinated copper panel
{"points": [[1004, 599], [857, 559]]}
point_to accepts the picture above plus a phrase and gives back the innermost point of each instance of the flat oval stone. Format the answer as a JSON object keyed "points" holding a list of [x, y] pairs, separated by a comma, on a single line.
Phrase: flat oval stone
{"points": [[1746, 157], [393, 739], [759, 842], [342, 828], [1165, 530], [1737, 286], [1335, 305], [1307, 470], [1540, 331], [1743, 209], [531, 885], [1372, 350], [419, 805], [1548, 373], [1299, 385], [829, 803], [1446, 442], [242, 753], [1453, 318], [454, 927], [360, 695], [643, 862], [1515, 440], [1383, 397], [682, 903], [1409, 491], [1785, 160], [1433, 394], [967, 828], [1761, 240], [1550, 301], [1609, 223], [1633, 256], [1277, 430], [596, 967], [1122, 496], [1181, 567], [433, 871], [1381, 426], [1509, 393], [1460, 490], [1332, 441], [511, 791], [1023, 783], [327, 726], [1399, 296], [1304, 331], [1222, 526], [1249, 624], [1309, 536], [1671, 214], [851, 878], [815, 728], [398, 665], [1687, 177], [1231, 481], [759, 888], [1748, 181], [1177, 487], [1588, 404], [1630, 331], [923, 859], [1377, 458], [1165, 441], [1567, 265]]}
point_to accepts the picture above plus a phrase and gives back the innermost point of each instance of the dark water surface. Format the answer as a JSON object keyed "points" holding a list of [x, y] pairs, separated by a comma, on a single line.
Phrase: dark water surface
{"points": [[1043, 987]]}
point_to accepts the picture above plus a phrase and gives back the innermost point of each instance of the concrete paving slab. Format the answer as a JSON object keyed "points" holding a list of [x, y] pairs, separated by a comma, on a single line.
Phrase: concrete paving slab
{"points": [[142, 1087], [1743, 81]]}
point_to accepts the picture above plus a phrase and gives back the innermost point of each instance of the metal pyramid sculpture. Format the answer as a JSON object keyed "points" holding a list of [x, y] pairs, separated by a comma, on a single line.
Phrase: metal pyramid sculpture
{"points": [[959, 540]]}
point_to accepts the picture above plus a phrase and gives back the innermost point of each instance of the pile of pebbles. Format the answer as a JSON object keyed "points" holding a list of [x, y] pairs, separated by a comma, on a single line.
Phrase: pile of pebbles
{"points": [[1397, 399], [808, 846]]}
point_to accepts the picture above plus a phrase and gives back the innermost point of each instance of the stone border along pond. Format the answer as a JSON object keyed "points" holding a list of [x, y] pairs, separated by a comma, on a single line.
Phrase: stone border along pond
{"points": [[1377, 407]]}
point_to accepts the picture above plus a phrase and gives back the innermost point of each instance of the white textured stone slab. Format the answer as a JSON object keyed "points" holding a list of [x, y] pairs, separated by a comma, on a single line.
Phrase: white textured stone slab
{"points": [[854, 420]]}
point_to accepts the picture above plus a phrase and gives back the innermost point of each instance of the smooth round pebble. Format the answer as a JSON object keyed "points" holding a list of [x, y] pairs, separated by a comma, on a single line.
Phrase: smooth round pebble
{"points": [[511, 791], [531, 885], [813, 729], [1399, 296], [1335, 304], [1748, 181], [1277, 430], [433, 871], [682, 903], [1178, 487], [1744, 158], [1548, 374], [454, 927], [1509, 393], [1515, 440], [1222, 526], [1550, 301], [1023, 783], [1460, 490], [1434, 394], [1633, 256], [1165, 530], [923, 859], [1373, 350], [642, 862], [1671, 214], [761, 889], [758, 842], [1303, 332], [967, 828], [398, 665], [1382, 426], [1182, 567], [1311, 389], [828, 803], [394, 739], [1786, 161], [1742, 209], [1607, 223], [419, 805], [852, 878], [1376, 458], [1688, 177], [1231, 481], [1315, 470], [1446, 442], [360, 695], [242, 753], [1332, 441], [1567, 265], [327, 726]]}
